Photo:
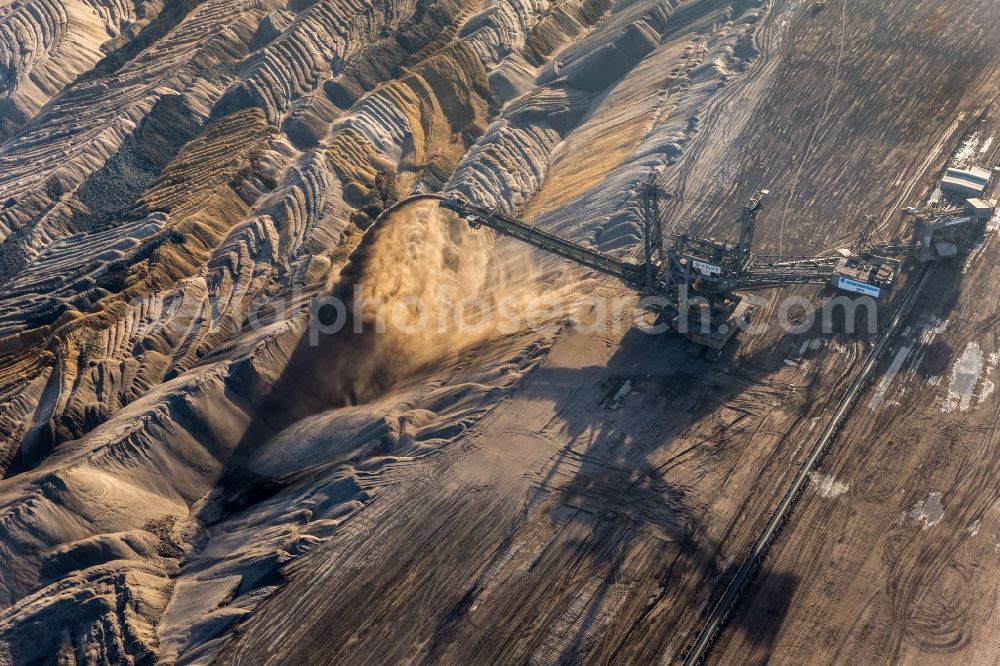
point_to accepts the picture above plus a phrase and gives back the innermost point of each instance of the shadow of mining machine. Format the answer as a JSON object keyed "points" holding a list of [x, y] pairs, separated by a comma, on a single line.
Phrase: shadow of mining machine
{"points": [[694, 283]]}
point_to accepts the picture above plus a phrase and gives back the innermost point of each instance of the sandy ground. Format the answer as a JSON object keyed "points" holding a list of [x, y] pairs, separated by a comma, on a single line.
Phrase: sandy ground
{"points": [[896, 541], [184, 490], [569, 531]]}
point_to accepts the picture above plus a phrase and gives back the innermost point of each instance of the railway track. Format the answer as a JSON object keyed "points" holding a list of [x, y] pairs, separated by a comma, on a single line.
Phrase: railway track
{"points": [[697, 652]]}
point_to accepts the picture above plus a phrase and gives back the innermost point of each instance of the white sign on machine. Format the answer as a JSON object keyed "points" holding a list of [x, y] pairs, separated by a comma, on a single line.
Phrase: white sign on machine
{"points": [[856, 287], [706, 269]]}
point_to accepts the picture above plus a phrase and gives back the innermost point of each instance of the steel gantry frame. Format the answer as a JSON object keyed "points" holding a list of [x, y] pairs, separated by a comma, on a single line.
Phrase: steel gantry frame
{"points": [[695, 278]]}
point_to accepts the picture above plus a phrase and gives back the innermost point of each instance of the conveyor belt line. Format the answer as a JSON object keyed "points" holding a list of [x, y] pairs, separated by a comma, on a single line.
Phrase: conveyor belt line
{"points": [[698, 651], [628, 272]]}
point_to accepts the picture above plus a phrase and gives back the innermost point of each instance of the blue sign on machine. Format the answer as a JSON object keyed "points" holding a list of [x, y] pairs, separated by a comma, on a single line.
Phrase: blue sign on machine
{"points": [[848, 284]]}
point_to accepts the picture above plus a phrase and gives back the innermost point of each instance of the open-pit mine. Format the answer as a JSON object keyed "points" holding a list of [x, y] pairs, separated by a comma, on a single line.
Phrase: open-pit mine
{"points": [[499, 332]]}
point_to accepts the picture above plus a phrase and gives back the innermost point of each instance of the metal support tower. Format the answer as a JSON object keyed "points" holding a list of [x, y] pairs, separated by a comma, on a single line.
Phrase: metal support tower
{"points": [[653, 254]]}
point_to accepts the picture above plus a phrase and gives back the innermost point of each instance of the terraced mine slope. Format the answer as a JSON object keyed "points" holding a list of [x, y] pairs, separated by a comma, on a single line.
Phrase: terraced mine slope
{"points": [[196, 468]]}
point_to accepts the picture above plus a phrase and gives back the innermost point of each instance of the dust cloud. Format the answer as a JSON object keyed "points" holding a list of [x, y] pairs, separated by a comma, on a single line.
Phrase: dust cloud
{"points": [[420, 289]]}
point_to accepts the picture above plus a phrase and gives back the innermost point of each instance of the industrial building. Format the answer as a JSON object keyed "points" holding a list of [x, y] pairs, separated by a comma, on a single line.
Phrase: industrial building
{"points": [[970, 182]]}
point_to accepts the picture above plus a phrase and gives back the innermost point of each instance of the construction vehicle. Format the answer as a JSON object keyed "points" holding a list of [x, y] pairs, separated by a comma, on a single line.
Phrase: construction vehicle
{"points": [[694, 283], [935, 233]]}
